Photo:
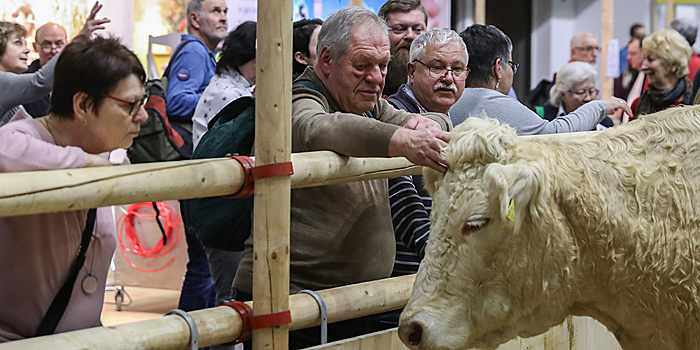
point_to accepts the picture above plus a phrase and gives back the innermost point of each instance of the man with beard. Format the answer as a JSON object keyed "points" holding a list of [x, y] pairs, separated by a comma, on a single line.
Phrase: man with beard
{"points": [[437, 72], [406, 20], [191, 69]]}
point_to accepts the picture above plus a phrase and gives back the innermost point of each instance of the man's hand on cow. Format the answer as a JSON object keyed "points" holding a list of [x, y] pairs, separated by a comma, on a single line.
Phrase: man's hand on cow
{"points": [[421, 147], [419, 122], [615, 103]]}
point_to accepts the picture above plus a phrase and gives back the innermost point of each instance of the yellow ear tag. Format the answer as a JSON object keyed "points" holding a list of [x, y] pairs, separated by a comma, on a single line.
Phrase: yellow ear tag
{"points": [[511, 211]]}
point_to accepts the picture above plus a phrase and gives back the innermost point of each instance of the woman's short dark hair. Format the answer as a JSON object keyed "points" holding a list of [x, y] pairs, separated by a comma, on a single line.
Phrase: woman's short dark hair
{"points": [[238, 48], [485, 45], [7, 30], [93, 66], [302, 36]]}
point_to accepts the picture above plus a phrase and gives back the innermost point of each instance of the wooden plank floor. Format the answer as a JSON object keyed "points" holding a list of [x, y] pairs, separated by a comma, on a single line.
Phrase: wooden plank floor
{"points": [[146, 303]]}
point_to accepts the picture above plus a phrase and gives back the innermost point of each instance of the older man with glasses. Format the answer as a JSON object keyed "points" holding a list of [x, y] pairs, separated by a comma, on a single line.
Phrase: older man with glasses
{"points": [[437, 72], [49, 40], [584, 48]]}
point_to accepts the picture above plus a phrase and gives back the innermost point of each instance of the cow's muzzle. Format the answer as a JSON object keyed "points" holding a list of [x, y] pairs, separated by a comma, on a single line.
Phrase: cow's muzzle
{"points": [[411, 334]]}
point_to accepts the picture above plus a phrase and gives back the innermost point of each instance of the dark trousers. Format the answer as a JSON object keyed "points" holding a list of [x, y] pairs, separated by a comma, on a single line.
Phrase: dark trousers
{"points": [[308, 337], [198, 287], [223, 265]]}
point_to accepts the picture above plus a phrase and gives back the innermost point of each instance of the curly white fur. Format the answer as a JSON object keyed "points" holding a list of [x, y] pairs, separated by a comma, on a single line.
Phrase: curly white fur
{"points": [[605, 225]]}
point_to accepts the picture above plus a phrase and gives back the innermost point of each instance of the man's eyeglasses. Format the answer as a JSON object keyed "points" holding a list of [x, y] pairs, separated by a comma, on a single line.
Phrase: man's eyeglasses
{"points": [[47, 47], [133, 106], [438, 72], [400, 29], [588, 48], [582, 93], [514, 66]]}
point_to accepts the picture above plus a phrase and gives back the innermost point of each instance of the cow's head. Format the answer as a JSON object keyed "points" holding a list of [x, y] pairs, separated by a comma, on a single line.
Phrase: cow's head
{"points": [[497, 263]]}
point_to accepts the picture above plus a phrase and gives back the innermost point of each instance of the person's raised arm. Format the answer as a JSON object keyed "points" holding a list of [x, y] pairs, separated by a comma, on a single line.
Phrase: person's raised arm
{"points": [[17, 89], [92, 24]]}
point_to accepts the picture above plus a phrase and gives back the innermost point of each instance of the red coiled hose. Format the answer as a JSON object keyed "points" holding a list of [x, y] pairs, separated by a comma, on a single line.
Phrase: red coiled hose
{"points": [[126, 232]]}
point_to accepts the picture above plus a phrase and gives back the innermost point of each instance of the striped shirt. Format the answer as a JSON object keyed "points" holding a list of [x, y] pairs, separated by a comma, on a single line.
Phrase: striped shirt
{"points": [[410, 214], [410, 203]]}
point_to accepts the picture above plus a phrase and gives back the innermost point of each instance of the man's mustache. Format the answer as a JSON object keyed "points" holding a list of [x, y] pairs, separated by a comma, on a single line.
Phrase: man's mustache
{"points": [[442, 86]]}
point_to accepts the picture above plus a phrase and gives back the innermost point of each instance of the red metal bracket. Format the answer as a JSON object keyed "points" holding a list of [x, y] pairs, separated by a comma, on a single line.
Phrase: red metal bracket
{"points": [[250, 322], [253, 173]]}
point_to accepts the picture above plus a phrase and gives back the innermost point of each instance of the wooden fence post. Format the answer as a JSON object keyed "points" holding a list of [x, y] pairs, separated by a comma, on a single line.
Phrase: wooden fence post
{"points": [[480, 11], [273, 110], [670, 12]]}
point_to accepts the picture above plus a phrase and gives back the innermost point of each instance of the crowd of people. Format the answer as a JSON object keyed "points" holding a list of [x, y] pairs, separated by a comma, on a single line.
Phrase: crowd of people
{"points": [[371, 85]]}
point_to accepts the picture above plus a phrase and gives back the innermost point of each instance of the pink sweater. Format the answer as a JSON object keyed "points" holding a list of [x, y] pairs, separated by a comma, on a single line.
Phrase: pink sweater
{"points": [[36, 251]]}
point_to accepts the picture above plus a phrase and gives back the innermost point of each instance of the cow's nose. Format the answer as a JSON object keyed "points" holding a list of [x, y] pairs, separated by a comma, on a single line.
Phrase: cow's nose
{"points": [[412, 334]]}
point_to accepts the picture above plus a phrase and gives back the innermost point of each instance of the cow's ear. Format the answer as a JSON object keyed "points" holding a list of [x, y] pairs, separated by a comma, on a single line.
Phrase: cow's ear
{"points": [[432, 180], [510, 190]]}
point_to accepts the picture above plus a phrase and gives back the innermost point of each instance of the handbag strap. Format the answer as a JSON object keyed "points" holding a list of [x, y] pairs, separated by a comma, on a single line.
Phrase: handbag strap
{"points": [[60, 302]]}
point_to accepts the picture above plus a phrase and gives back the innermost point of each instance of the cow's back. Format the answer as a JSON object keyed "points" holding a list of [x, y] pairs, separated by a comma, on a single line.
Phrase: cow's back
{"points": [[629, 194]]}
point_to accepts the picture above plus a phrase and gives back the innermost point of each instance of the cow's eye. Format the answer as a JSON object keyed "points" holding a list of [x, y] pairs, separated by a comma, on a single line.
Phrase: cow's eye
{"points": [[474, 225]]}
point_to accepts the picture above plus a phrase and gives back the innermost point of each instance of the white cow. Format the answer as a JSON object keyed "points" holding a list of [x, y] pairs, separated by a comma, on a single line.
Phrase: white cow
{"points": [[527, 230]]}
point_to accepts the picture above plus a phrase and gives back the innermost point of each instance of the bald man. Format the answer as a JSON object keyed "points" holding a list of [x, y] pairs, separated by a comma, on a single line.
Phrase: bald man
{"points": [[584, 48], [49, 41]]}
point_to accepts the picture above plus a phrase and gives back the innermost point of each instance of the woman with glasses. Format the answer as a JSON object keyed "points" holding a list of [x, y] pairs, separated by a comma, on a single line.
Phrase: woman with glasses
{"points": [[573, 87], [17, 88], [491, 77], [96, 107], [665, 54]]}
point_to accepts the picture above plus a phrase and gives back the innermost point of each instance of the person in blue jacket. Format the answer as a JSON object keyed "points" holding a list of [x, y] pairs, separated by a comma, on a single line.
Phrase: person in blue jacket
{"points": [[190, 72], [195, 63]]}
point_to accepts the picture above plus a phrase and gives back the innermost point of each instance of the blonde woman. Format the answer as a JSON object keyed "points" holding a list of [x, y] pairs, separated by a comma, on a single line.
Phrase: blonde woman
{"points": [[665, 62]]}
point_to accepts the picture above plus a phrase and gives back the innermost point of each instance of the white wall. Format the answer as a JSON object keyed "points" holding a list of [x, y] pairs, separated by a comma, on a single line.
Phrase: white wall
{"points": [[553, 25], [121, 14]]}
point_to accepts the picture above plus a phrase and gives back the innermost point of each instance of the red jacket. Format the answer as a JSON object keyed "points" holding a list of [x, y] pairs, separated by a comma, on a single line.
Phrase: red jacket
{"points": [[693, 65]]}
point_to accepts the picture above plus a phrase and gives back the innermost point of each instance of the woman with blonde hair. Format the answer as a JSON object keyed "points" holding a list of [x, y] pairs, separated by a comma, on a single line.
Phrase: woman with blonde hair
{"points": [[666, 55]]}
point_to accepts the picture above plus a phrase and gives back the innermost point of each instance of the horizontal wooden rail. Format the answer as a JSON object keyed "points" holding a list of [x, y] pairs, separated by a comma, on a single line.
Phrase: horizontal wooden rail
{"points": [[71, 189], [222, 324]]}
